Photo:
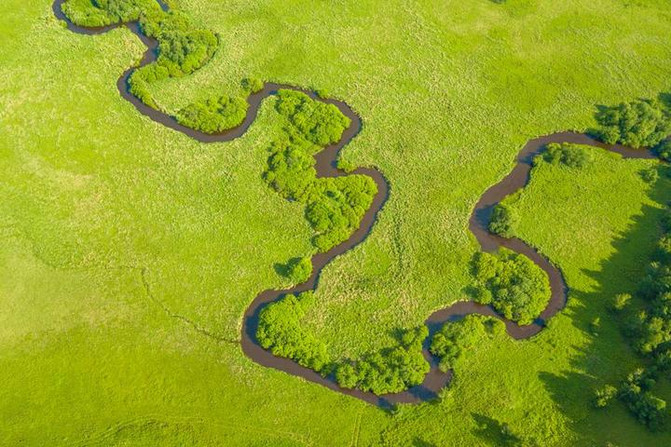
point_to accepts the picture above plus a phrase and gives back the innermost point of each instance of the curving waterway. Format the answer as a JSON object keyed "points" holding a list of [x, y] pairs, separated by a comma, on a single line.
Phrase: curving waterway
{"points": [[326, 166]]}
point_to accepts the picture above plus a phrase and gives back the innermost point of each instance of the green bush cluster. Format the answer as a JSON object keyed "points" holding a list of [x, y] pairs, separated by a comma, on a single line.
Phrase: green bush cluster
{"points": [[636, 393], [515, 286], [280, 331], [214, 114], [464, 335], [604, 396], [663, 150], [334, 206], [252, 85], [640, 123], [389, 371], [502, 221], [571, 155], [318, 122], [299, 270], [94, 13]]}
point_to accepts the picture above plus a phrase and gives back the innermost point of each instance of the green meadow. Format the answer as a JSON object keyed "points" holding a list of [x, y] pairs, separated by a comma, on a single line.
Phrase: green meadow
{"points": [[129, 252]]}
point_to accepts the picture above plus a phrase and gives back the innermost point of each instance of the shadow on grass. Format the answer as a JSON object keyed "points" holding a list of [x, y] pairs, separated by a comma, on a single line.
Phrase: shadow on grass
{"points": [[493, 432], [607, 357]]}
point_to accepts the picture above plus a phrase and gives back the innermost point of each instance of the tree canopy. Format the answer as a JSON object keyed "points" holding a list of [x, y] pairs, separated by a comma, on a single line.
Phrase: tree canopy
{"points": [[515, 286]]}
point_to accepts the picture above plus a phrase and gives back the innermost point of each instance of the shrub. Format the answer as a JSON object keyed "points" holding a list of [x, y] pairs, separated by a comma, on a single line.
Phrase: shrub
{"points": [[515, 286], [604, 396], [456, 337], [650, 175], [299, 270], [502, 221], [635, 392], [182, 48], [595, 325], [318, 122], [640, 123], [252, 85], [620, 301], [663, 150], [93, 13], [280, 332], [571, 155], [391, 370], [214, 114]]}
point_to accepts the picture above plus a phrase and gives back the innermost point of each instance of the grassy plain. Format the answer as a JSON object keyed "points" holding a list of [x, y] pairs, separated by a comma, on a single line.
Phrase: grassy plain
{"points": [[124, 244]]}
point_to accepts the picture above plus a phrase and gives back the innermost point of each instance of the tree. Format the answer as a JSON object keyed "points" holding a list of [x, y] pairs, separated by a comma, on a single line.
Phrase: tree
{"points": [[620, 301], [454, 338], [502, 220], [640, 123], [571, 155], [299, 269], [603, 396], [513, 284]]}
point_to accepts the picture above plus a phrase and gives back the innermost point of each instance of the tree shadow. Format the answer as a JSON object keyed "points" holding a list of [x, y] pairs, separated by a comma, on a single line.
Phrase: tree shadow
{"points": [[607, 357], [417, 442], [284, 269], [493, 432]]}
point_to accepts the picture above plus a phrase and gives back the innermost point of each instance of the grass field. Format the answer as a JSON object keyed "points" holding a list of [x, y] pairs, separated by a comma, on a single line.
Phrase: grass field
{"points": [[129, 252]]}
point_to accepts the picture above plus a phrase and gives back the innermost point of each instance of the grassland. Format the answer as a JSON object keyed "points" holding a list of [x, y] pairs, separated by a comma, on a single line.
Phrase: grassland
{"points": [[129, 252]]}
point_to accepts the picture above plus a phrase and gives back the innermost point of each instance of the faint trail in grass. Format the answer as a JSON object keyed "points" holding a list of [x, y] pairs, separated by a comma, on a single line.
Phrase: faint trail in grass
{"points": [[195, 326], [357, 429]]}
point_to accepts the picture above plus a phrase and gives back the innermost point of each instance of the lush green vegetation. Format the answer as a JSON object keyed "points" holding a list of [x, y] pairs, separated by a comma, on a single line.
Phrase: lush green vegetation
{"points": [[663, 150], [252, 85], [455, 338], [91, 188], [639, 123], [599, 176], [516, 287], [280, 332], [502, 221], [319, 123], [94, 13], [387, 371], [334, 206], [214, 114], [299, 269], [571, 155], [391, 370]]}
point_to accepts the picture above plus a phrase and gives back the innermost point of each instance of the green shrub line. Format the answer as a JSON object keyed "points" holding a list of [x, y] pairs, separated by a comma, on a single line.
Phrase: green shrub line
{"points": [[214, 114], [648, 328], [299, 269], [566, 154], [390, 370], [502, 221], [638, 124]]}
